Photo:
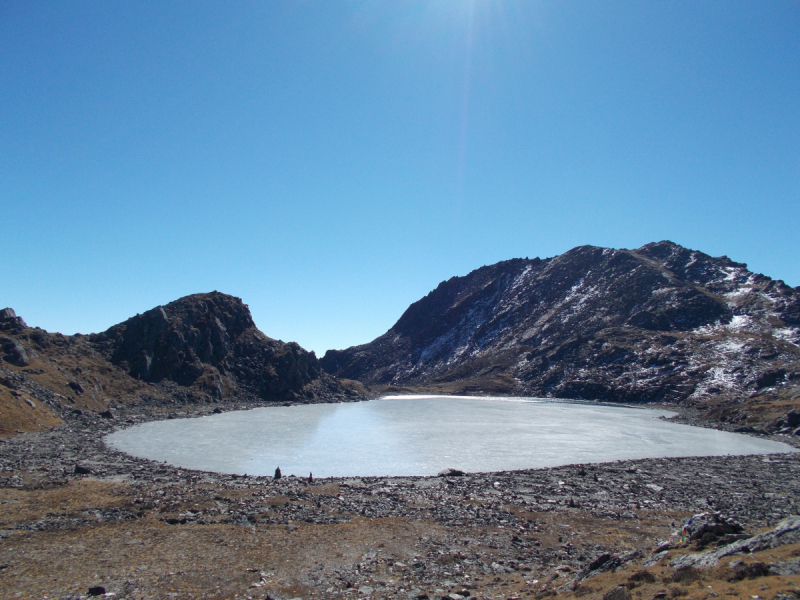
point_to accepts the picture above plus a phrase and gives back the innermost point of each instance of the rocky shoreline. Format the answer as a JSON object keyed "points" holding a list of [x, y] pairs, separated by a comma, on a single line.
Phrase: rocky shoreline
{"points": [[485, 525], [54, 455]]}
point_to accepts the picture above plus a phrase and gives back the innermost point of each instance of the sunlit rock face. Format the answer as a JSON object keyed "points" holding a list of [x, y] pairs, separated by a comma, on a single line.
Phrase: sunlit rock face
{"points": [[211, 342], [661, 322]]}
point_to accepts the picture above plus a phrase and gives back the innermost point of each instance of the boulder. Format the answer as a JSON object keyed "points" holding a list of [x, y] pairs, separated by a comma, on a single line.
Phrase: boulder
{"points": [[451, 473], [769, 378], [600, 564], [76, 386], [617, 593], [14, 352], [10, 320], [744, 571], [746, 429], [786, 532], [713, 523]]}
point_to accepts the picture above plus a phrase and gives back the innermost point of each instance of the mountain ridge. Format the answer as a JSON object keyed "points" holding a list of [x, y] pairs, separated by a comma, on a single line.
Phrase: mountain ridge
{"points": [[658, 323], [202, 348]]}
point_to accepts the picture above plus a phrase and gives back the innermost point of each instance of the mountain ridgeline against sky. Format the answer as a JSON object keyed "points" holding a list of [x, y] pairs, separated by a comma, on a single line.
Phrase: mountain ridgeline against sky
{"points": [[209, 341], [658, 323], [200, 348]]}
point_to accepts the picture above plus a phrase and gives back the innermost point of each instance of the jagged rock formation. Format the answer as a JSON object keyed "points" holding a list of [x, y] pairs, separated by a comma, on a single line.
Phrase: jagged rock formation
{"points": [[658, 323], [197, 349], [210, 341], [12, 351]]}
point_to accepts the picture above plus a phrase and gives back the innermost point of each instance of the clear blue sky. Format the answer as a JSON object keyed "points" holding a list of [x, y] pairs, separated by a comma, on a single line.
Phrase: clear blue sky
{"points": [[331, 162]]}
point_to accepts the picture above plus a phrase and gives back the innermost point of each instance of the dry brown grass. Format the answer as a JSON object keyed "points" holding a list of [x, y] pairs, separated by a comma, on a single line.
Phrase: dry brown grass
{"points": [[19, 412], [151, 559], [193, 561], [24, 506]]}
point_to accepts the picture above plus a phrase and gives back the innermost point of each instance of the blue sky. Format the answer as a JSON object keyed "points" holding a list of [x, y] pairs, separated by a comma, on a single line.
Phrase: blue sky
{"points": [[331, 162]]}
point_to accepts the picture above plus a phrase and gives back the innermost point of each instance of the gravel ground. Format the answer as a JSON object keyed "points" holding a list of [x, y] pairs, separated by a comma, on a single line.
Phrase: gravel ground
{"points": [[496, 534]]}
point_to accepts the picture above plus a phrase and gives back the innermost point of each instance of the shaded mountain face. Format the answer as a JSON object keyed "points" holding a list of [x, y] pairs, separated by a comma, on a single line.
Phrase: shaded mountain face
{"points": [[200, 348], [658, 323], [209, 341]]}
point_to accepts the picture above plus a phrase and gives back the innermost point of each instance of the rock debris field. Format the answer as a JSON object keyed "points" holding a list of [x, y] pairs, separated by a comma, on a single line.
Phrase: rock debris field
{"points": [[79, 518]]}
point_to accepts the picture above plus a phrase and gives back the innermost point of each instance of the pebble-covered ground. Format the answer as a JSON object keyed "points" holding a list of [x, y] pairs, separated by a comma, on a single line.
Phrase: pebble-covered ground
{"points": [[77, 515]]}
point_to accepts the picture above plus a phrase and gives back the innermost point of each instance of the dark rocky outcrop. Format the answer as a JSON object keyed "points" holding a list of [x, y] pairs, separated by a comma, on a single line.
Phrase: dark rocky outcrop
{"points": [[710, 523], [785, 532], [210, 342], [660, 323], [10, 321], [198, 349], [14, 352]]}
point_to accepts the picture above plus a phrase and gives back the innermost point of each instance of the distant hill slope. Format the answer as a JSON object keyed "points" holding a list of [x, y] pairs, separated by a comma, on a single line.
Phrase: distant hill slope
{"points": [[660, 323], [203, 347]]}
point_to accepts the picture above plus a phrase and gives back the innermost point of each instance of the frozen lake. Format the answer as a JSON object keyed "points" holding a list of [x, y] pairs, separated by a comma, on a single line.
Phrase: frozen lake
{"points": [[421, 435]]}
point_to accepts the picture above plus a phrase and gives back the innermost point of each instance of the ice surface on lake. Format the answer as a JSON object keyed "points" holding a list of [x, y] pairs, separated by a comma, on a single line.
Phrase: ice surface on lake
{"points": [[421, 435]]}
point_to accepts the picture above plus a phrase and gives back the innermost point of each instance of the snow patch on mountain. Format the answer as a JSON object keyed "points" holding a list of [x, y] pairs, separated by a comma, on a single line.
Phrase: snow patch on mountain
{"points": [[660, 322]]}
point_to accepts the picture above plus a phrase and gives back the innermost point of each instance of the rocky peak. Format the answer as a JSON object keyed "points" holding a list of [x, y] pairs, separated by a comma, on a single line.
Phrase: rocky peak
{"points": [[653, 323], [175, 341], [211, 342]]}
